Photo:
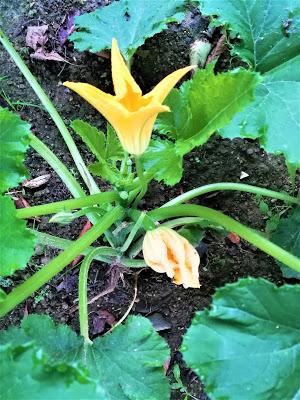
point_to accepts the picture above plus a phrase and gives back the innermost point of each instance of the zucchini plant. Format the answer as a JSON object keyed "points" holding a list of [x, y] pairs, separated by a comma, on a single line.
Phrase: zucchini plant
{"points": [[246, 345]]}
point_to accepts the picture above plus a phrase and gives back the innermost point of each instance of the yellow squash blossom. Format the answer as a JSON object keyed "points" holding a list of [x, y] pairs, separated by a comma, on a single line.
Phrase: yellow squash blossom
{"points": [[166, 251], [130, 113]]}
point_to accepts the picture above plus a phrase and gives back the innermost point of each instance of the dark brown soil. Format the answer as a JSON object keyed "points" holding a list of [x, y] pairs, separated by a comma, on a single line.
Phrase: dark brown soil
{"points": [[219, 160]]}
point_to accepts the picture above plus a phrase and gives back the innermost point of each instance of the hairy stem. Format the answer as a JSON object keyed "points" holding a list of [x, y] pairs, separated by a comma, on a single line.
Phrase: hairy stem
{"points": [[42, 276], [82, 295], [231, 186], [67, 205], [61, 170], [231, 225], [50, 108], [143, 182]]}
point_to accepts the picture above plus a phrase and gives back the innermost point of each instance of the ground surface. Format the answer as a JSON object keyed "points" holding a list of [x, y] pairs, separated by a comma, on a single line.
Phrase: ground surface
{"points": [[219, 160]]}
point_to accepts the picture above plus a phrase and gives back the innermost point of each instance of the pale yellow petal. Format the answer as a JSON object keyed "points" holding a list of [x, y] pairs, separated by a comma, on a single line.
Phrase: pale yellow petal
{"points": [[155, 253], [121, 76], [189, 274], [135, 131], [105, 103], [162, 89]]}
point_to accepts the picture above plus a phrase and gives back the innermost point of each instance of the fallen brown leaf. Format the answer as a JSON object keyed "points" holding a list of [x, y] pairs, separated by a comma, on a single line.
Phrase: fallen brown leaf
{"points": [[37, 38], [36, 182]]}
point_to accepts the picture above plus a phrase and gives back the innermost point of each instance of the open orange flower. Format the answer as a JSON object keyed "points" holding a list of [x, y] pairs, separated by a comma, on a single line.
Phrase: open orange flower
{"points": [[166, 251], [130, 113]]}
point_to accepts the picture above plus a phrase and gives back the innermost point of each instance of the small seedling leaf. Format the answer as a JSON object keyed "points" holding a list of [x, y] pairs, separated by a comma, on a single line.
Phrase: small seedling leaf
{"points": [[247, 344]]}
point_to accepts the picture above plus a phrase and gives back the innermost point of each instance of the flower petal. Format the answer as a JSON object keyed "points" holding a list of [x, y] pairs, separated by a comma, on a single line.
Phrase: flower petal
{"points": [[122, 78], [165, 250], [105, 103], [135, 131], [155, 253], [162, 89]]}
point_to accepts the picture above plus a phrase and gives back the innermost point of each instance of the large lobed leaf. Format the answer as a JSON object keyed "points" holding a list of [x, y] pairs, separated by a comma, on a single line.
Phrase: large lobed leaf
{"points": [[270, 43], [247, 344], [198, 108], [14, 141], [130, 22], [42, 360], [268, 29], [287, 235], [16, 241]]}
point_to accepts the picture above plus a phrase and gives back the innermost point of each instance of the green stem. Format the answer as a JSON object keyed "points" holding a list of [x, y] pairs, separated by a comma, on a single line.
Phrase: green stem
{"points": [[42, 276], [133, 232], [82, 295], [182, 221], [61, 170], [143, 182], [107, 254], [67, 205], [68, 179], [124, 167], [231, 225], [46, 102], [231, 186]]}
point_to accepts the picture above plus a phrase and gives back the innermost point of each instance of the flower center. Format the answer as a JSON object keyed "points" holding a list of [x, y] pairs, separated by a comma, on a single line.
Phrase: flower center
{"points": [[133, 101]]}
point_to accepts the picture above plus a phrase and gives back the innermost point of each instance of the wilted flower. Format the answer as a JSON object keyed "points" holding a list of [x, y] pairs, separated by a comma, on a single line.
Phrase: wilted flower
{"points": [[130, 113], [166, 251]]}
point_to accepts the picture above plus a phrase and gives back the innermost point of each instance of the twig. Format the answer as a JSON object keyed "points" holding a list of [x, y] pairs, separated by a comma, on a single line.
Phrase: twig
{"points": [[130, 305], [217, 50]]}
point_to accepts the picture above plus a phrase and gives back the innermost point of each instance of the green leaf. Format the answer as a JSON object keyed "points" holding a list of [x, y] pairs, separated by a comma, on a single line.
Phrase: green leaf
{"points": [[270, 34], [14, 141], [94, 139], [260, 24], [287, 236], [113, 147], [105, 171], [107, 149], [124, 365], [274, 116], [198, 108], [165, 158], [2, 295], [103, 147], [247, 344], [206, 103], [25, 376], [130, 362], [16, 241], [193, 233], [129, 21]]}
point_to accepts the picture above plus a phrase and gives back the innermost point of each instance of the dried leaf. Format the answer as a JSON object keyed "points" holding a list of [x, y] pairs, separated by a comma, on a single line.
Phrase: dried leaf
{"points": [[42, 54], [20, 202], [36, 36], [36, 182], [68, 27], [101, 318]]}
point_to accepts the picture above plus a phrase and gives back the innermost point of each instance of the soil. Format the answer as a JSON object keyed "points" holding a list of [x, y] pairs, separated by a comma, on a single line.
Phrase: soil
{"points": [[218, 160]]}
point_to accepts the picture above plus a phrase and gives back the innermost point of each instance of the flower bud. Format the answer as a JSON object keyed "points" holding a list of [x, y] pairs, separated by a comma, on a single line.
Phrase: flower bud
{"points": [[165, 251]]}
